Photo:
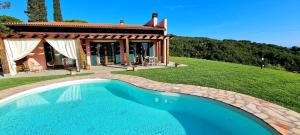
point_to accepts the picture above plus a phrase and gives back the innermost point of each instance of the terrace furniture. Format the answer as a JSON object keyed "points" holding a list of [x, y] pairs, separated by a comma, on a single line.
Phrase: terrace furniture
{"points": [[146, 61], [19, 68], [25, 67], [153, 61], [33, 67], [51, 64]]}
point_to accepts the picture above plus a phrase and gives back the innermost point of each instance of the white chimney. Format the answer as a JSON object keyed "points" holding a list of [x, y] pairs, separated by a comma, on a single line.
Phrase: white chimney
{"points": [[154, 19], [122, 22]]}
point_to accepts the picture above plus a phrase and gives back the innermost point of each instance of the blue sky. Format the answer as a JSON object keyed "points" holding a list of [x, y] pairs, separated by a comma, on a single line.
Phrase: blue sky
{"points": [[268, 21]]}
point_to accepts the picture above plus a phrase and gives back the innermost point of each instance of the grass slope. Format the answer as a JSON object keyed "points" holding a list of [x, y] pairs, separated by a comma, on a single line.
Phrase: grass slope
{"points": [[14, 82], [279, 87]]}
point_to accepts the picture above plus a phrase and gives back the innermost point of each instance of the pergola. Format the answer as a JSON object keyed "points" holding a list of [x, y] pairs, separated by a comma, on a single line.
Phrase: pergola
{"points": [[87, 36], [86, 33], [84, 40]]}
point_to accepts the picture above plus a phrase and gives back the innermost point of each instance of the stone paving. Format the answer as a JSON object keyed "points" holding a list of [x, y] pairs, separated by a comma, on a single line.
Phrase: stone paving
{"points": [[286, 121], [94, 69]]}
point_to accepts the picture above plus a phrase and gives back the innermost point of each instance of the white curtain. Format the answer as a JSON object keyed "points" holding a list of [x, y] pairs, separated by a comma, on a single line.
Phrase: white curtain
{"points": [[66, 47], [17, 49]]}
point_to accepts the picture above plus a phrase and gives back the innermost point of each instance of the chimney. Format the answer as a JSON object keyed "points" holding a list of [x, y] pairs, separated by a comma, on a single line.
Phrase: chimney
{"points": [[154, 19], [122, 22]]}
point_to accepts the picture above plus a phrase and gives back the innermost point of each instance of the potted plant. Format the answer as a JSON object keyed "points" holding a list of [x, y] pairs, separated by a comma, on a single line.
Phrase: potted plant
{"points": [[72, 71], [176, 65], [134, 68]]}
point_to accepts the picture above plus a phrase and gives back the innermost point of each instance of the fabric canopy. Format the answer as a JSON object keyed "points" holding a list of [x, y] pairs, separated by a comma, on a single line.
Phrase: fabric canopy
{"points": [[66, 47], [17, 49]]}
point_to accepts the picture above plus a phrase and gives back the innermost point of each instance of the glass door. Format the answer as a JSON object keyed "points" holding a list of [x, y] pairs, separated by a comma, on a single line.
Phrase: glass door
{"points": [[107, 53], [110, 53]]}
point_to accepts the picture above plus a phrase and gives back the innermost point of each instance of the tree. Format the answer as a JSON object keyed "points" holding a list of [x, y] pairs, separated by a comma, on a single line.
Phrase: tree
{"points": [[242, 52], [57, 11], [7, 19], [43, 11], [4, 5], [36, 11], [32, 10], [81, 21]]}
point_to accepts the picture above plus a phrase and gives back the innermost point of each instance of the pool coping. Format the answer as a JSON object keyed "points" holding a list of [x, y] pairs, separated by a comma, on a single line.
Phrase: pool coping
{"points": [[285, 121]]}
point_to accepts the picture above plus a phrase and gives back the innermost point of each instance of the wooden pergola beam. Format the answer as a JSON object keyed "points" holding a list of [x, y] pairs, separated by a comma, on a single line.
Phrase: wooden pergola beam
{"points": [[77, 35], [46, 36], [145, 36], [124, 36], [160, 37], [105, 36], [113, 36], [35, 35], [2, 35], [151, 37], [95, 37], [100, 37], [133, 36], [108, 37], [57, 36], [22, 35], [9, 35], [67, 36], [87, 36], [138, 37]]}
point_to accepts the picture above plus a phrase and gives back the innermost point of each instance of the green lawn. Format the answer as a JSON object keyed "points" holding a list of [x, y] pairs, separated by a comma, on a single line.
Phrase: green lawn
{"points": [[14, 82], [280, 87]]}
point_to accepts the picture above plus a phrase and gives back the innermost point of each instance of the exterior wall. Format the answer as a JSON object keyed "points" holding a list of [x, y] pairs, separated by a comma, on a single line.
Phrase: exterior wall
{"points": [[37, 56], [122, 51]]}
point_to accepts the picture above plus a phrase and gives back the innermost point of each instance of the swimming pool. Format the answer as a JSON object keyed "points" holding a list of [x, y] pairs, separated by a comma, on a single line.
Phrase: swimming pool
{"points": [[111, 107]]}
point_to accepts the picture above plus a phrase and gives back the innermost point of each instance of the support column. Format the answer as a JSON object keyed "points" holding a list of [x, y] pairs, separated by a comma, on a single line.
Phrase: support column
{"points": [[88, 54], [155, 48], [167, 51], [127, 52], [78, 51], [163, 50], [3, 57], [159, 50], [122, 52], [105, 55]]}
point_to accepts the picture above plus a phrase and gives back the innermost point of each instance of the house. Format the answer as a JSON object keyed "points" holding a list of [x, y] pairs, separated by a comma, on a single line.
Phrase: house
{"points": [[48, 45]]}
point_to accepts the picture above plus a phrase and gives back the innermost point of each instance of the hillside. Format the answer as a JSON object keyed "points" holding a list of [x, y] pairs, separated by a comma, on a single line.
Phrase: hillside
{"points": [[241, 52], [280, 87]]}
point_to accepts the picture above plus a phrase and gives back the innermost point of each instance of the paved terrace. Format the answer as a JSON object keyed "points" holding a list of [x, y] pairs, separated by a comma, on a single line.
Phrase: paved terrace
{"points": [[285, 121], [94, 69]]}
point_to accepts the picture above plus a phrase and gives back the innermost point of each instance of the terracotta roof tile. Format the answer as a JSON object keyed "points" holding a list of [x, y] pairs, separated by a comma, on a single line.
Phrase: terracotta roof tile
{"points": [[83, 25]]}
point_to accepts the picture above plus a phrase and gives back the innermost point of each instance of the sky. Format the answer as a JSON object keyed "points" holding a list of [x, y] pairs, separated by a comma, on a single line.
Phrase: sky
{"points": [[266, 21]]}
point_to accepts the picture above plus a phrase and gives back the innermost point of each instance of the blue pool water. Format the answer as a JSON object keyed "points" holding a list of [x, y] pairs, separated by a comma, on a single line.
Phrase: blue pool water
{"points": [[117, 108]]}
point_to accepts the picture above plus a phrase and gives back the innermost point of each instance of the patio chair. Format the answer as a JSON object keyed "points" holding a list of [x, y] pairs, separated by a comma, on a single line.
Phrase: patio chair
{"points": [[146, 61], [26, 68], [151, 61], [51, 64], [33, 67]]}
